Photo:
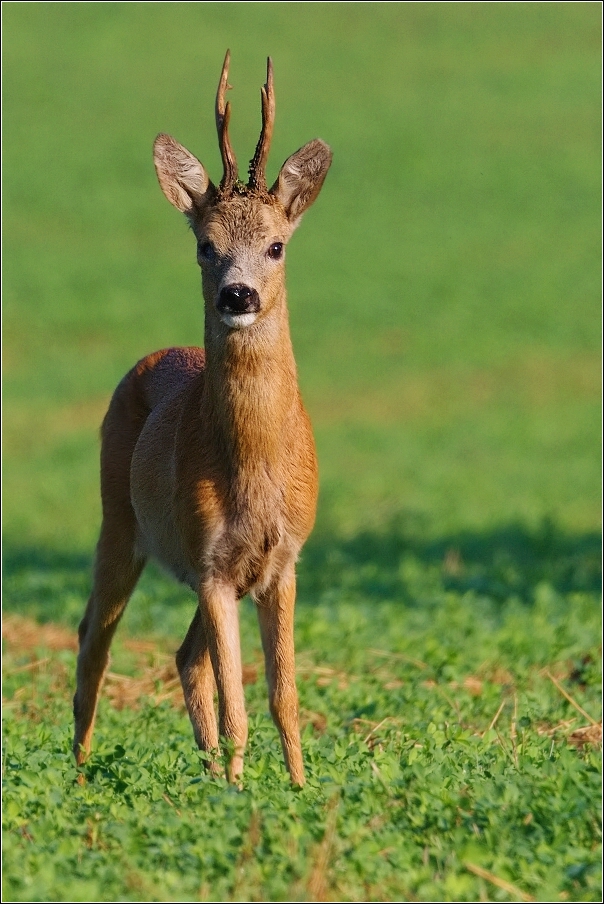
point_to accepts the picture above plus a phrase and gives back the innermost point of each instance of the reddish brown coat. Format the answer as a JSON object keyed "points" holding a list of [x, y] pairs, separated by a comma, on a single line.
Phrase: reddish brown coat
{"points": [[208, 461]]}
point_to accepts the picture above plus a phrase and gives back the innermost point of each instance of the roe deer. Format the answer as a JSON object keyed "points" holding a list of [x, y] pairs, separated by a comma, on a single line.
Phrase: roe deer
{"points": [[208, 460]]}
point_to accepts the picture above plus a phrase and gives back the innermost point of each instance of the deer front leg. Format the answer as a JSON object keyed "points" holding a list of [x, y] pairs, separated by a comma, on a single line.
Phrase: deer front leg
{"points": [[219, 608], [276, 617]]}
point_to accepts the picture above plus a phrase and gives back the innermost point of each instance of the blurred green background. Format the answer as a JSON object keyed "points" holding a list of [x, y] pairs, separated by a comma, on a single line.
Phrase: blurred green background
{"points": [[444, 290], [445, 310]]}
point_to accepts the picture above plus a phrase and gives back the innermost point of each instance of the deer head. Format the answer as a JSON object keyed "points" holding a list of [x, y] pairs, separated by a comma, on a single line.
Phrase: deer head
{"points": [[241, 229]]}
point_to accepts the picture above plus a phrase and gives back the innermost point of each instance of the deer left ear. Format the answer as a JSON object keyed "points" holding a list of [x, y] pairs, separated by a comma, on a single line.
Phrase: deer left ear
{"points": [[181, 176], [301, 177]]}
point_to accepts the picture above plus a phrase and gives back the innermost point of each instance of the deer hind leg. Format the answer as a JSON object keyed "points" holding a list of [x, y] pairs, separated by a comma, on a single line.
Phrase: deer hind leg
{"points": [[117, 569], [219, 619], [275, 608], [197, 678]]}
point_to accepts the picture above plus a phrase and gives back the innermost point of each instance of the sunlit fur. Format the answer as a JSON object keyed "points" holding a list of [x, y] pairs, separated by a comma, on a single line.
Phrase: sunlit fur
{"points": [[208, 465]]}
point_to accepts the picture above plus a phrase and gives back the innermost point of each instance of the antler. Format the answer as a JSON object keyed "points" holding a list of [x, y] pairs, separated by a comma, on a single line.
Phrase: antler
{"points": [[258, 162], [223, 114]]}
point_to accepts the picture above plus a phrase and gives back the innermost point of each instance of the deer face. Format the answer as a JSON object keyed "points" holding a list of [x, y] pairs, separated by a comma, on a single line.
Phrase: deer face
{"points": [[241, 230], [241, 252]]}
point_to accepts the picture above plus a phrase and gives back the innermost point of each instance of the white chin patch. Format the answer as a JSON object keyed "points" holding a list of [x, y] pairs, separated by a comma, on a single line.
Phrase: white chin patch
{"points": [[238, 321]]}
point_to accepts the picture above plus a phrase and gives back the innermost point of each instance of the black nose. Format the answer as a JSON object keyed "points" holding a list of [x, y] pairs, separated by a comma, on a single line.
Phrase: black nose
{"points": [[238, 299]]}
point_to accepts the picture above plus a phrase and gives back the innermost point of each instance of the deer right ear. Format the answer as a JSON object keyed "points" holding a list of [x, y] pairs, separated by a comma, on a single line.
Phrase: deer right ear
{"points": [[301, 177], [181, 176]]}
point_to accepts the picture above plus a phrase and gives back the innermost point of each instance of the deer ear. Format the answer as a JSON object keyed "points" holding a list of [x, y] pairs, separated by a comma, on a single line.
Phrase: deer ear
{"points": [[301, 177], [181, 176]]}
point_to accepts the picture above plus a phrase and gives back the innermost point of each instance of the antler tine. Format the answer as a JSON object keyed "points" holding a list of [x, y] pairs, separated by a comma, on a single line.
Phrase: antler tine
{"points": [[223, 114], [258, 162]]}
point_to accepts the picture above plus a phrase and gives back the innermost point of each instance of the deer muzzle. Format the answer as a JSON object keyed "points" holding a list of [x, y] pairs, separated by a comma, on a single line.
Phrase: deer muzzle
{"points": [[238, 305]]}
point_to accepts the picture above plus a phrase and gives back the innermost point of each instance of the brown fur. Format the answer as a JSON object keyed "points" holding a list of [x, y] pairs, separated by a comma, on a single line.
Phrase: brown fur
{"points": [[208, 464]]}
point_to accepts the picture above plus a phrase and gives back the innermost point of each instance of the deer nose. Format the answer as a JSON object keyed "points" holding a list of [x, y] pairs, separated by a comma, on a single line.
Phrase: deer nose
{"points": [[238, 299]]}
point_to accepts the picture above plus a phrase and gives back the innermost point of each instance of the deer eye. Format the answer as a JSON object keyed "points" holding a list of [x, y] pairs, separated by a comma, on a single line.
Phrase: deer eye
{"points": [[205, 251], [275, 251]]}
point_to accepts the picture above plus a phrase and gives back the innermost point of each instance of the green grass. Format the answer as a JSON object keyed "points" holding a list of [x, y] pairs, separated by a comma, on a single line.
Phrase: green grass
{"points": [[409, 788], [445, 308]]}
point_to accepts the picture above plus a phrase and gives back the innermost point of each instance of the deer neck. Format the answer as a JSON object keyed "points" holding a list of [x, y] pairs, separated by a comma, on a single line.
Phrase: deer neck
{"points": [[251, 390]]}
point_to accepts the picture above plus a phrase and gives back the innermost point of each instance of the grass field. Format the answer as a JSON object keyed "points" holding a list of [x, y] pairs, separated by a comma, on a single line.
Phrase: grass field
{"points": [[445, 307]]}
